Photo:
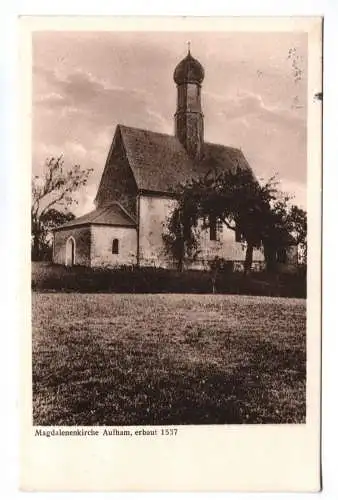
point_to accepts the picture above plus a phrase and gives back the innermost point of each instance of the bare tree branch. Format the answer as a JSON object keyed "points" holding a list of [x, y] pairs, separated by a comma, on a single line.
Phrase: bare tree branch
{"points": [[54, 188]]}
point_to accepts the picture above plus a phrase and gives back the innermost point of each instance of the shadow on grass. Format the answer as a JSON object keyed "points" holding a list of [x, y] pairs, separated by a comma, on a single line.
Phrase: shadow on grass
{"points": [[268, 387]]}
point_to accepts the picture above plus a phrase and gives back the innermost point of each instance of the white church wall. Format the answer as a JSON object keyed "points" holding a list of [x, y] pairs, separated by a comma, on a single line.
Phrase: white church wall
{"points": [[102, 246], [81, 236], [226, 247], [154, 213]]}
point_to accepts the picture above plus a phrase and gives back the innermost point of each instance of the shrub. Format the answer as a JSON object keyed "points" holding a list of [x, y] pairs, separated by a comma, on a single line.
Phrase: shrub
{"points": [[48, 277]]}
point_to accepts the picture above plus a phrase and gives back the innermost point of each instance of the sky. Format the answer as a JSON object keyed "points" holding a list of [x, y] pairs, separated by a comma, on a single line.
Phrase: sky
{"points": [[254, 97]]}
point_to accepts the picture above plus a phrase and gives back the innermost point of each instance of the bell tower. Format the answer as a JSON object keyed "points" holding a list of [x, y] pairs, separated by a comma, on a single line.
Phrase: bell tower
{"points": [[188, 76]]}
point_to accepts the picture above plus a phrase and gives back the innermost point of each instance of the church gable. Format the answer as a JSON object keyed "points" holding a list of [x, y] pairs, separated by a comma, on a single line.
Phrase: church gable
{"points": [[117, 182]]}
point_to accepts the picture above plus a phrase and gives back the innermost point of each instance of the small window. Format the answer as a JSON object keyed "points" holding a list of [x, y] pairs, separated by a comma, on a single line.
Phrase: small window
{"points": [[213, 229], [238, 236], [115, 247], [216, 228]]}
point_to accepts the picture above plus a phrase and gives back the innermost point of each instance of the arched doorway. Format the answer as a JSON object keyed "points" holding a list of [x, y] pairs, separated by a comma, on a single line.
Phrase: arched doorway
{"points": [[70, 252]]}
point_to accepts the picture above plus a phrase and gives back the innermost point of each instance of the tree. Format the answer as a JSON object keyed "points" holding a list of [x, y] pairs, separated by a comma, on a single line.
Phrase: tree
{"points": [[298, 229], [276, 235], [257, 212], [48, 221], [52, 195], [218, 265], [286, 225], [232, 197], [181, 235]]}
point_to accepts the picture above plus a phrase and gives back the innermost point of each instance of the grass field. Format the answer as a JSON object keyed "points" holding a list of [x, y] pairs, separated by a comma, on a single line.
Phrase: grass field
{"points": [[106, 359]]}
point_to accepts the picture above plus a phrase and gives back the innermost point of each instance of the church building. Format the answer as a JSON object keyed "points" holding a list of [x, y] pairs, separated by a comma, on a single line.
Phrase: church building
{"points": [[135, 194]]}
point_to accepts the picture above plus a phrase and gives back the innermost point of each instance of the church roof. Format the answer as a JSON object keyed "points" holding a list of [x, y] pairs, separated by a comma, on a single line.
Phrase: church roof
{"points": [[109, 215], [159, 162]]}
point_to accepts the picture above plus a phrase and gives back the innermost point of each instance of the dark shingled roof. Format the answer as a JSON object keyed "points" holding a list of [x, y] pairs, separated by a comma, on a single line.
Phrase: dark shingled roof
{"points": [[159, 161], [110, 215]]}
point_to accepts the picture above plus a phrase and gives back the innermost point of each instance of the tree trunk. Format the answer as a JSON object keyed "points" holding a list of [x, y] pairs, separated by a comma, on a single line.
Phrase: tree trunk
{"points": [[36, 247], [180, 264], [248, 258], [181, 256], [270, 258]]}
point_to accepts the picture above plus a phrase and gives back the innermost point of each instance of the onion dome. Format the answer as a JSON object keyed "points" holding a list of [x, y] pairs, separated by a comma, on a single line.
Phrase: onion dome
{"points": [[189, 70]]}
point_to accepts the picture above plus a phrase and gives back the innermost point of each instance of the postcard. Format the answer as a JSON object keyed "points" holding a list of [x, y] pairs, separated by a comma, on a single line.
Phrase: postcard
{"points": [[171, 334]]}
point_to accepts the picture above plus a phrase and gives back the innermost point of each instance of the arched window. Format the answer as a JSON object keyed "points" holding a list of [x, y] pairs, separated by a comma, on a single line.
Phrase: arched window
{"points": [[115, 247]]}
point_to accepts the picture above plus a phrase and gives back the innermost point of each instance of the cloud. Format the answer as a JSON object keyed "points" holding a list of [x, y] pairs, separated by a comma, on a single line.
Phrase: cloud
{"points": [[248, 104], [297, 190], [85, 84]]}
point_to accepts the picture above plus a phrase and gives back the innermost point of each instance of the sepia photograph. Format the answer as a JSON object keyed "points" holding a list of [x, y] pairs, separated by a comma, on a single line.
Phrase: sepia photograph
{"points": [[170, 175], [169, 227]]}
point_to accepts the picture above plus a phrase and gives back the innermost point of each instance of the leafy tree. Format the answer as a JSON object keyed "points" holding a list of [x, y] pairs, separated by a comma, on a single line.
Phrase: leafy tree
{"points": [[286, 225], [257, 212], [181, 235], [52, 195], [48, 221], [275, 233], [298, 229], [233, 197]]}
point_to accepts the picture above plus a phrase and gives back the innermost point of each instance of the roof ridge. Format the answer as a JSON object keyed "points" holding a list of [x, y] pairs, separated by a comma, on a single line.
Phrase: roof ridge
{"points": [[100, 211], [174, 136], [124, 210], [146, 130], [223, 146], [159, 161], [116, 202]]}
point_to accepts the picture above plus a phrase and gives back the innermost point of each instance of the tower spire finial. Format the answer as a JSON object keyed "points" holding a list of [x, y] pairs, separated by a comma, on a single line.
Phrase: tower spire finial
{"points": [[188, 43]]}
